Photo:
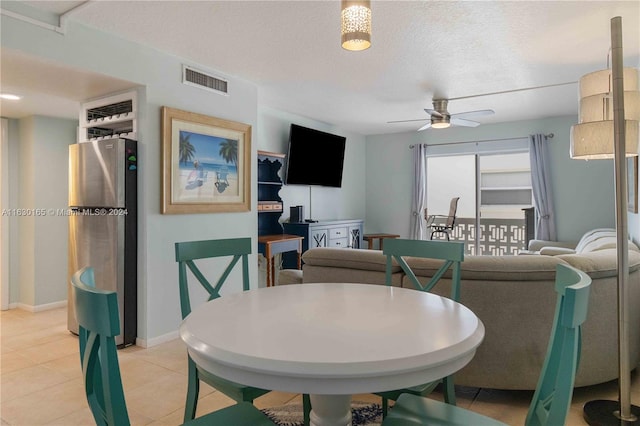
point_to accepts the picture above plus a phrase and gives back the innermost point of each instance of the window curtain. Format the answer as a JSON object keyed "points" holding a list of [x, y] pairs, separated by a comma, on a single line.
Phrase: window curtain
{"points": [[541, 184], [419, 187]]}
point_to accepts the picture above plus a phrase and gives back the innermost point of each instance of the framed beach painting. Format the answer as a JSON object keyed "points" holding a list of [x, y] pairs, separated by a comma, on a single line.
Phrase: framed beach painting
{"points": [[206, 164]]}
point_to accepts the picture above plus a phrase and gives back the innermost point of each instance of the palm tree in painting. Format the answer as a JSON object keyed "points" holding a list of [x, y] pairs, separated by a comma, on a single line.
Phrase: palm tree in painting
{"points": [[186, 149], [229, 151]]}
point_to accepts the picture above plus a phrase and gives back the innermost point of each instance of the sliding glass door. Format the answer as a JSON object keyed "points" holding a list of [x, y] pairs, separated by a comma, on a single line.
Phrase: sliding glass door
{"points": [[449, 177], [505, 190], [494, 188]]}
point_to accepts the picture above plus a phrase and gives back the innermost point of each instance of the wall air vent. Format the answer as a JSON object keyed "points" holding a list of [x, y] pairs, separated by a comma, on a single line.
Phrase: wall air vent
{"points": [[108, 117], [193, 77]]}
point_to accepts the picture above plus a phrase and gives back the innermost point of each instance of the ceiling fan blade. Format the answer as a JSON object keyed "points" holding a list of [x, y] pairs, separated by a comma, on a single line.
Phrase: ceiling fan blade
{"points": [[425, 127], [473, 113], [406, 121], [433, 112], [464, 123]]}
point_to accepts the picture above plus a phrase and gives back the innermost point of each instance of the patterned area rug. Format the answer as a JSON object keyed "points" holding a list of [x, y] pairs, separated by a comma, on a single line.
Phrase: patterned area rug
{"points": [[363, 414]]}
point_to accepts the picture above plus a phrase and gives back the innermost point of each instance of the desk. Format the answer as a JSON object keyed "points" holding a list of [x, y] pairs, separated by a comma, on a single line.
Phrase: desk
{"points": [[370, 238], [332, 341], [270, 245]]}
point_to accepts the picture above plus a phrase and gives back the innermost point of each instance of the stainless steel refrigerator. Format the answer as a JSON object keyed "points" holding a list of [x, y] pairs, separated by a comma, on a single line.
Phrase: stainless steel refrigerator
{"points": [[103, 224]]}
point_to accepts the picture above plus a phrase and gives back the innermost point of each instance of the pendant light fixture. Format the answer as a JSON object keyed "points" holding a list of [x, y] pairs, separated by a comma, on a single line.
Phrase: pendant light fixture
{"points": [[356, 25]]}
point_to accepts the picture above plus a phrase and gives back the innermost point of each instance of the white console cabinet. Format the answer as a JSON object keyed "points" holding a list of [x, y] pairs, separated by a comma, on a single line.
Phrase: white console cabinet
{"points": [[327, 233]]}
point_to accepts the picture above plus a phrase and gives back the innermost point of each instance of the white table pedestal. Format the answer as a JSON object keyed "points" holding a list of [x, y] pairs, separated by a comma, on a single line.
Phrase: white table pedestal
{"points": [[330, 410]]}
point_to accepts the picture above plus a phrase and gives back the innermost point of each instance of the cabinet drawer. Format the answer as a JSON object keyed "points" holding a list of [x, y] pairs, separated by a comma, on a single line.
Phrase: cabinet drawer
{"points": [[269, 206], [337, 233], [339, 242]]}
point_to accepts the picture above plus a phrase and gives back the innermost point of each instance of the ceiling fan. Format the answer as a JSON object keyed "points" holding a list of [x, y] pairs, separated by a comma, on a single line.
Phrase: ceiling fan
{"points": [[441, 119]]}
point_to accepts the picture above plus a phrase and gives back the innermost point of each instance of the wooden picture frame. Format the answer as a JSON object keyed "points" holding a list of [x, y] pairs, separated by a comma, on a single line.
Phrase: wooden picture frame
{"points": [[632, 184], [206, 164]]}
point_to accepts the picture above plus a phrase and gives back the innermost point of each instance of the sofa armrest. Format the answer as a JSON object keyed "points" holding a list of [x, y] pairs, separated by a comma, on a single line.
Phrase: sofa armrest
{"points": [[357, 259], [555, 251], [537, 245]]}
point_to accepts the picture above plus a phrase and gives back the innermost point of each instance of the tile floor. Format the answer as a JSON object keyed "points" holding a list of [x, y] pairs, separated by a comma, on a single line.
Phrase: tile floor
{"points": [[40, 381]]}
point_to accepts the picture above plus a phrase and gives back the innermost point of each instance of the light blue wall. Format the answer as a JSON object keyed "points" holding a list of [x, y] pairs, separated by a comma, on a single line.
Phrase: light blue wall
{"points": [[38, 178], [26, 229], [14, 235], [583, 191], [49, 168], [159, 75]]}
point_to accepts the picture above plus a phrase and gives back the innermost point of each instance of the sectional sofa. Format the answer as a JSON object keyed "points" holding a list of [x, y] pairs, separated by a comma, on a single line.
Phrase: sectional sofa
{"points": [[514, 298]]}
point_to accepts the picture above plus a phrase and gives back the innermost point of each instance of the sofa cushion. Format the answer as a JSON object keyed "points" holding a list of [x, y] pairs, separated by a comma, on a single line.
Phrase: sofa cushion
{"points": [[601, 243], [596, 239], [536, 245], [555, 251], [593, 235], [371, 260], [497, 268], [332, 274], [600, 239], [290, 276], [601, 263]]}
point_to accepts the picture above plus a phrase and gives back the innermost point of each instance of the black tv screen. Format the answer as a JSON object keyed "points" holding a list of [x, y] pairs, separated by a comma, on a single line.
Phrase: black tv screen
{"points": [[315, 157]]}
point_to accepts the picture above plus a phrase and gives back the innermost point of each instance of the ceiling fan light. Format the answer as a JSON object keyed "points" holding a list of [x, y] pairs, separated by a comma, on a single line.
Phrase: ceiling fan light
{"points": [[356, 25], [443, 120]]}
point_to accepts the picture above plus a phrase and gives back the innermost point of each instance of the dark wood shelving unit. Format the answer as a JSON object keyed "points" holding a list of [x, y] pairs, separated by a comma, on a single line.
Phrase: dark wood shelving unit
{"points": [[269, 185]]}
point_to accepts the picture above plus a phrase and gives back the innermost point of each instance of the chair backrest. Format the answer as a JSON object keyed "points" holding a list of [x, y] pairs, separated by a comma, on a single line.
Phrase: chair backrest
{"points": [[451, 252], [97, 315], [552, 398], [188, 252], [453, 207]]}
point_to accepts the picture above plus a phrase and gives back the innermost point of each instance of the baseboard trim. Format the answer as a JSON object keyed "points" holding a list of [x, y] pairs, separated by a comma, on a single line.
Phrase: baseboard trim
{"points": [[40, 308], [148, 343]]}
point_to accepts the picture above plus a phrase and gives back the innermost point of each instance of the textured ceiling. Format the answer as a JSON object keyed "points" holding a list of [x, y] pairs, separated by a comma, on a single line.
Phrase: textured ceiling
{"points": [[420, 50], [48, 88]]}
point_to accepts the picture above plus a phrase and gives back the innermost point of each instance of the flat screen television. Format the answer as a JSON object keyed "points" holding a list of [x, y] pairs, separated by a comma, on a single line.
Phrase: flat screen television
{"points": [[314, 158]]}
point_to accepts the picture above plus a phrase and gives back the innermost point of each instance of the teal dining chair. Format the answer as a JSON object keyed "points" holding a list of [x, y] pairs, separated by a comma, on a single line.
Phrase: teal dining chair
{"points": [[452, 254], [552, 397], [98, 322], [186, 255]]}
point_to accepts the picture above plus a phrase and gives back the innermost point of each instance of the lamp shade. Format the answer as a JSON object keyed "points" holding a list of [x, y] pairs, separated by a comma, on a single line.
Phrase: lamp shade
{"points": [[600, 107], [600, 82], [594, 137], [356, 25], [595, 140]]}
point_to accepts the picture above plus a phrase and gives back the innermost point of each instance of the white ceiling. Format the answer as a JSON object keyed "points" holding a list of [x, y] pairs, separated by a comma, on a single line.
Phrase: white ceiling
{"points": [[420, 50], [49, 89]]}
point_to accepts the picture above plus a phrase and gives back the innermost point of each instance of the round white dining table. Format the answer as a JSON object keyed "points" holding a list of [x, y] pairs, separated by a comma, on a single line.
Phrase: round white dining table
{"points": [[332, 340]]}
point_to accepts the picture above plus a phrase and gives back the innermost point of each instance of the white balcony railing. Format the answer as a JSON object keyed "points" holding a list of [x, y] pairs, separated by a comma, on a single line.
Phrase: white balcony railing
{"points": [[497, 236]]}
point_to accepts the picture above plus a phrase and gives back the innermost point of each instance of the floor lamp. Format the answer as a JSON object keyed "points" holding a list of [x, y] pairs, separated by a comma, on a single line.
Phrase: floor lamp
{"points": [[609, 115]]}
